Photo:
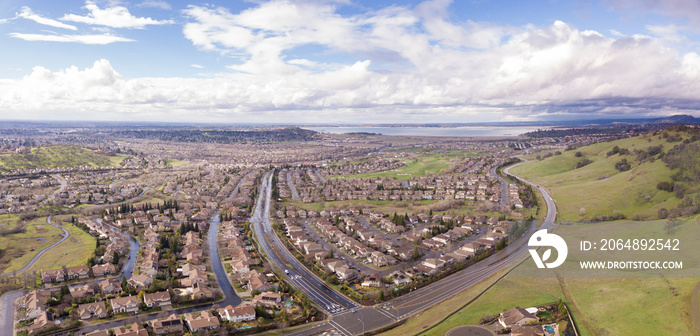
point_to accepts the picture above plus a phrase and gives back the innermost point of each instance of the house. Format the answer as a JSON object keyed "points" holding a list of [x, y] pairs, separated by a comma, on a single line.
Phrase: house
{"points": [[515, 316], [78, 272], [135, 329], [170, 324], [34, 303], [268, 299], [88, 310], [43, 321], [157, 299], [79, 292], [237, 314], [127, 304], [400, 278], [372, 280], [103, 332], [201, 292], [529, 330], [108, 286], [55, 275], [206, 320], [141, 280], [104, 269]]}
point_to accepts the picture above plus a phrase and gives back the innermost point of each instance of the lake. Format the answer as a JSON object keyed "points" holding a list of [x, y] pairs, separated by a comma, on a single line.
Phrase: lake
{"points": [[460, 131]]}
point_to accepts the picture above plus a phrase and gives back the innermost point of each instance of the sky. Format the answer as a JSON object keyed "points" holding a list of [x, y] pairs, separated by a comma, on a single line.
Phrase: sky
{"points": [[348, 61]]}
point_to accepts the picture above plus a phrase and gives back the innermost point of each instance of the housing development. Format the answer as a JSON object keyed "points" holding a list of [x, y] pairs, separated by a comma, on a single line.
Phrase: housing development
{"points": [[349, 234]]}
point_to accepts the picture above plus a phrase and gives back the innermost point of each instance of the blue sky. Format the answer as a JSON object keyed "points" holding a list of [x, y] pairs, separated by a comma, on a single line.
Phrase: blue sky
{"points": [[316, 61]]}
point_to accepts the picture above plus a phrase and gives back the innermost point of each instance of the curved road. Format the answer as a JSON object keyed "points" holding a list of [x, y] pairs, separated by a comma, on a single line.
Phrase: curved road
{"points": [[65, 235]]}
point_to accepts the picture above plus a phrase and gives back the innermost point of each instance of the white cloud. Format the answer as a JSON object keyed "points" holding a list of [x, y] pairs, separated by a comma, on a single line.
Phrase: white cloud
{"points": [[670, 32], [396, 63], [196, 66], [85, 39], [28, 14], [155, 4], [115, 17]]}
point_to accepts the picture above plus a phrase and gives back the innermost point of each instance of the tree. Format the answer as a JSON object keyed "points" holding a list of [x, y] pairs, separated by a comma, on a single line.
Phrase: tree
{"points": [[416, 254]]}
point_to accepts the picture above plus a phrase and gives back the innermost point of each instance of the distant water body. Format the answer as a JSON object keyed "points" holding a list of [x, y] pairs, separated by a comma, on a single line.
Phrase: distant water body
{"points": [[461, 131]]}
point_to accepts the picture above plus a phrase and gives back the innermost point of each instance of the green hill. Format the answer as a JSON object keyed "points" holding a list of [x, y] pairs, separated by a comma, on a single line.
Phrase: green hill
{"points": [[600, 190], [57, 156]]}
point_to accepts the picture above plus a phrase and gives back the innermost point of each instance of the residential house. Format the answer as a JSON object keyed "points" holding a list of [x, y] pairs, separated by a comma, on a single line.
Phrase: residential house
{"points": [[88, 310], [34, 303], [55, 275], [104, 269], [141, 280], [372, 280], [201, 292], [268, 299], [516, 316], [170, 324], [205, 321], [82, 291], [43, 321], [78, 272], [126, 304], [135, 329], [237, 314], [157, 299], [109, 286], [528, 330]]}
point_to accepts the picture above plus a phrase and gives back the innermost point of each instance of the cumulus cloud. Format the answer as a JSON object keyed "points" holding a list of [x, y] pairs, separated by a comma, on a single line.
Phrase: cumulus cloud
{"points": [[28, 14], [115, 17], [84, 39], [397, 64]]}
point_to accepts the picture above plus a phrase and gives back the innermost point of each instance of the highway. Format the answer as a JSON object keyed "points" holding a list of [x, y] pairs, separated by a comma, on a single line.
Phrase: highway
{"points": [[313, 287], [347, 321]]}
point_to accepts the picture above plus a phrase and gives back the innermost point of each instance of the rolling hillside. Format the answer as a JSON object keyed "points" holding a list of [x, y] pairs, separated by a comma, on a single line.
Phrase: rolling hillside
{"points": [[600, 190], [57, 156]]}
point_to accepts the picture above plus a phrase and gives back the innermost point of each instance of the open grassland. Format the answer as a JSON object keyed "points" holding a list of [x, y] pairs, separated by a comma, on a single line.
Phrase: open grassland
{"points": [[632, 306], [74, 251], [600, 189], [57, 156], [421, 165], [20, 248]]}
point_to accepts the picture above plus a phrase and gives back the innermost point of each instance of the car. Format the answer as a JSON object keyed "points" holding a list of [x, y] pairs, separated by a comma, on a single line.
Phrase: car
{"points": [[286, 271]]}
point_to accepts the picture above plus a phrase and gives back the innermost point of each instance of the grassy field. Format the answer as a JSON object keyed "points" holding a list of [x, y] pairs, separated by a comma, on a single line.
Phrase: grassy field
{"points": [[74, 251], [57, 156], [22, 247], [598, 188], [420, 165], [177, 163]]}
